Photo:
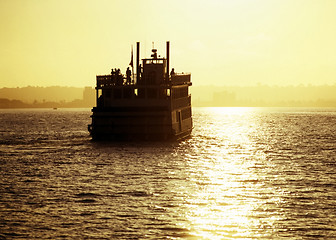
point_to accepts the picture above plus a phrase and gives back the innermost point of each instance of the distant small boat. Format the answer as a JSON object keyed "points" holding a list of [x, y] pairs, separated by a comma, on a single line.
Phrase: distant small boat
{"points": [[154, 105], [55, 108]]}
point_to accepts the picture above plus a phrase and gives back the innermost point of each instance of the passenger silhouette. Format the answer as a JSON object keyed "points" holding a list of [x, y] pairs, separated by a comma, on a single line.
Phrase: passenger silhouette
{"points": [[128, 76]]}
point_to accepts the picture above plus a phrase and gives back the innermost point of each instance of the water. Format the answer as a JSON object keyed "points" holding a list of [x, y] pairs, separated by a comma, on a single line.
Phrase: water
{"points": [[246, 173]]}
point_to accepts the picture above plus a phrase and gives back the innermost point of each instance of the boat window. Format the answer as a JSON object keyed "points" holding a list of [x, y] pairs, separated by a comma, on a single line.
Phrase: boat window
{"points": [[151, 78], [108, 93], [117, 93], [99, 92], [128, 93], [186, 113], [152, 93], [141, 92]]}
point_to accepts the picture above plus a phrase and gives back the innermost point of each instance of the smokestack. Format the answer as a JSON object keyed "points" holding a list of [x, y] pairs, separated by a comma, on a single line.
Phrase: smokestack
{"points": [[138, 62], [167, 56]]}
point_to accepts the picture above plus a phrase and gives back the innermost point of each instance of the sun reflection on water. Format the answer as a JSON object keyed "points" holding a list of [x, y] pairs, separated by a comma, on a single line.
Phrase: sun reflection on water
{"points": [[244, 174], [227, 191]]}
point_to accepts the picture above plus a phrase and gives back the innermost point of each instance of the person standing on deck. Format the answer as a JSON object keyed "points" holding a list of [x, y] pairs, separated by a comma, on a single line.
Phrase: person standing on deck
{"points": [[128, 76]]}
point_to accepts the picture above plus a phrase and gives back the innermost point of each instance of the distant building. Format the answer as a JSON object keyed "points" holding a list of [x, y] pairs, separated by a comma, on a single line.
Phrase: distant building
{"points": [[89, 96]]}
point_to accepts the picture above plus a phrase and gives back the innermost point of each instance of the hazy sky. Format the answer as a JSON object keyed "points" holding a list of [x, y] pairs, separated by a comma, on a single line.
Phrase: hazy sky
{"points": [[221, 42]]}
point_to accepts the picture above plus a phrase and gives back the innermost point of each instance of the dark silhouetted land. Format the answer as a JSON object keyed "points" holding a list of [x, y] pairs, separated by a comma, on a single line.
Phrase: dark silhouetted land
{"points": [[47, 97], [202, 96], [265, 96]]}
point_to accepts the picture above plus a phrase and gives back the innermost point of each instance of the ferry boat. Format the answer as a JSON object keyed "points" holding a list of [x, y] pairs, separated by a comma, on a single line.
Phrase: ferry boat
{"points": [[154, 104]]}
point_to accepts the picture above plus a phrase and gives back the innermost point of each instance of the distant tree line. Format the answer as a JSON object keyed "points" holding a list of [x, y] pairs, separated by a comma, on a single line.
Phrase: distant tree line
{"points": [[207, 96], [86, 98], [264, 96]]}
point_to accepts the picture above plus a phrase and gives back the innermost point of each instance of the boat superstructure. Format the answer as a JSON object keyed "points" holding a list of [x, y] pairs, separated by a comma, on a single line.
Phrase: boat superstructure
{"points": [[154, 104]]}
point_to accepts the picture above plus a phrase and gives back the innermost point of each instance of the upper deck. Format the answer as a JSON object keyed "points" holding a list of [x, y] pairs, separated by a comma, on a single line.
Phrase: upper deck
{"points": [[112, 81], [180, 79], [153, 72], [152, 84]]}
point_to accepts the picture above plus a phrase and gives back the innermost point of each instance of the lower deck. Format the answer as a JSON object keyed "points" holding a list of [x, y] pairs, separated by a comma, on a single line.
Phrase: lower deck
{"points": [[140, 123]]}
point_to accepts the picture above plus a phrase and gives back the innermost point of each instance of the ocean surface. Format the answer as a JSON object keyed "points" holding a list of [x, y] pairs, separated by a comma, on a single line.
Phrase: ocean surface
{"points": [[246, 173]]}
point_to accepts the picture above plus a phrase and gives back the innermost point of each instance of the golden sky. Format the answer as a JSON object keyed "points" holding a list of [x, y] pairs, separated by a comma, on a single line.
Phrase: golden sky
{"points": [[221, 42]]}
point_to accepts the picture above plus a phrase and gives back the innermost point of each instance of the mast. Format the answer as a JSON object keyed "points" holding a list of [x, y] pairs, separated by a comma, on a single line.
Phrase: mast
{"points": [[167, 56], [138, 70], [132, 63]]}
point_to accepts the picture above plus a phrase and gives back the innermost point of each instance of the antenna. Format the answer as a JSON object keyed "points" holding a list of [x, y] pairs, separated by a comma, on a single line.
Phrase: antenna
{"points": [[138, 63], [167, 57], [154, 52]]}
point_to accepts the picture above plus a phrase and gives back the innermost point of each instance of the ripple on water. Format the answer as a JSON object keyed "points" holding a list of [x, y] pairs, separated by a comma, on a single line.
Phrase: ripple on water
{"points": [[244, 174]]}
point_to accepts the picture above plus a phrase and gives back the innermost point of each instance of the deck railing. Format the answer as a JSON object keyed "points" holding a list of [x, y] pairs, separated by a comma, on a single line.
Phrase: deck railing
{"points": [[120, 80], [113, 80], [181, 102], [183, 78]]}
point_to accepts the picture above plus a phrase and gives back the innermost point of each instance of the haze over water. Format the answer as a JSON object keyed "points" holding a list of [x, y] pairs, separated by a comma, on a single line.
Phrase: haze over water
{"points": [[246, 173], [221, 42]]}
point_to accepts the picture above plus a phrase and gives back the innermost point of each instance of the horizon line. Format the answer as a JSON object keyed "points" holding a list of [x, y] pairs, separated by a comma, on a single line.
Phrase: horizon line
{"points": [[202, 85]]}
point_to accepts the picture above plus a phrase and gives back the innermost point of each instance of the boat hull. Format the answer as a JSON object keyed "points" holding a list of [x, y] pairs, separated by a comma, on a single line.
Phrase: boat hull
{"points": [[138, 125]]}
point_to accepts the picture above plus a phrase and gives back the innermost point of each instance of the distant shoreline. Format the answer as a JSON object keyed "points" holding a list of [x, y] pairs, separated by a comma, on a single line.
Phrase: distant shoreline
{"points": [[202, 96]]}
